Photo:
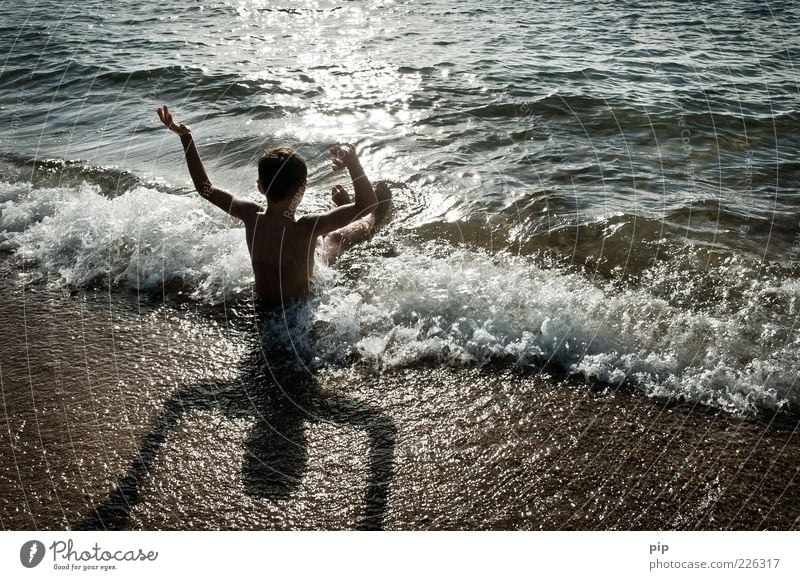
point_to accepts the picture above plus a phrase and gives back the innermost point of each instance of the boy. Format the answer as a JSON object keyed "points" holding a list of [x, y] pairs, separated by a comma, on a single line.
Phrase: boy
{"points": [[282, 247]]}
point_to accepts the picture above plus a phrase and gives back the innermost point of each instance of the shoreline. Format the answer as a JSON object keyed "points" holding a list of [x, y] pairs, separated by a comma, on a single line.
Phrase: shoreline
{"points": [[418, 448]]}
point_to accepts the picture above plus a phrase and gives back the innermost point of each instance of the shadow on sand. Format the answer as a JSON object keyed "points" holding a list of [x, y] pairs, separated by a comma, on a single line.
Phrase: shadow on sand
{"points": [[281, 397]]}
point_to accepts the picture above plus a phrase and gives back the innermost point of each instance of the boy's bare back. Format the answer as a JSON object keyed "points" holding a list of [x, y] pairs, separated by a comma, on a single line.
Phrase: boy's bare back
{"points": [[282, 255]]}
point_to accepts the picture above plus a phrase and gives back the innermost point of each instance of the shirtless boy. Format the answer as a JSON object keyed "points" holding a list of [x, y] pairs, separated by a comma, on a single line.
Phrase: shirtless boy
{"points": [[282, 247]]}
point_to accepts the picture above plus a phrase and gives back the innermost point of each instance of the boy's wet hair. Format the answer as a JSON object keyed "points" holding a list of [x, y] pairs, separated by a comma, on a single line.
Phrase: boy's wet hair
{"points": [[282, 172]]}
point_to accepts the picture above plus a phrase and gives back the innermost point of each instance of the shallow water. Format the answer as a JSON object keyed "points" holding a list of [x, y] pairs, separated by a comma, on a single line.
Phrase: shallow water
{"points": [[134, 417], [606, 189]]}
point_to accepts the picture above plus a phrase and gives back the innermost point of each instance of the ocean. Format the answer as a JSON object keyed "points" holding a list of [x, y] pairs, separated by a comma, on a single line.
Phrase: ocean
{"points": [[604, 193]]}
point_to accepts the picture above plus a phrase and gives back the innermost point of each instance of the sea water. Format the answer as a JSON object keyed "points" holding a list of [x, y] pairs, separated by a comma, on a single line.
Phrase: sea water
{"points": [[609, 190]]}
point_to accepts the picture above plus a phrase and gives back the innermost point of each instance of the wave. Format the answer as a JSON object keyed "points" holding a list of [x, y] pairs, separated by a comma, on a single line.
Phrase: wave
{"points": [[723, 337], [703, 233], [67, 172], [71, 77], [469, 307], [143, 238], [617, 114]]}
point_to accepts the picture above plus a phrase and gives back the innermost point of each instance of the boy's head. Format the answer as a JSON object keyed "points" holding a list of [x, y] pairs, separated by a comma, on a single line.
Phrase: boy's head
{"points": [[281, 173]]}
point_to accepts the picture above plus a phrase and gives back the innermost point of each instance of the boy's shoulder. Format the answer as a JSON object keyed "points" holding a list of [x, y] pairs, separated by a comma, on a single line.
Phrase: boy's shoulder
{"points": [[264, 222], [245, 209], [309, 220]]}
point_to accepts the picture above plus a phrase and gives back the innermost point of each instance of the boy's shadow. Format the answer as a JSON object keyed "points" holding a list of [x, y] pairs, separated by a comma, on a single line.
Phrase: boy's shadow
{"points": [[281, 397]]}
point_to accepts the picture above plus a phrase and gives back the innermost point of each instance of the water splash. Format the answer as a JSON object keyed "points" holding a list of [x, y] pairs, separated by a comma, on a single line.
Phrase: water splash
{"points": [[143, 238], [471, 308]]}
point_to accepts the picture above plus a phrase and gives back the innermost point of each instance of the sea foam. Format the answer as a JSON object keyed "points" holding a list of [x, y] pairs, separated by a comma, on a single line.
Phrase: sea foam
{"points": [[470, 307], [143, 238]]}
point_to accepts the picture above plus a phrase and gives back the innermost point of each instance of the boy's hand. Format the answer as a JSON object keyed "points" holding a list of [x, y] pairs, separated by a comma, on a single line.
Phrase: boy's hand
{"points": [[344, 156], [166, 118]]}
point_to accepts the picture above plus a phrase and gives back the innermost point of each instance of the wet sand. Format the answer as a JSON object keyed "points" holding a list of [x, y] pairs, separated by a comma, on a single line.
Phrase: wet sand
{"points": [[125, 415]]}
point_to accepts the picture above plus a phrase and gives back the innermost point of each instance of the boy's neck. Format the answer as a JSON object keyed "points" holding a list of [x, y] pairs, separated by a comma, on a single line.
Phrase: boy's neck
{"points": [[284, 208]]}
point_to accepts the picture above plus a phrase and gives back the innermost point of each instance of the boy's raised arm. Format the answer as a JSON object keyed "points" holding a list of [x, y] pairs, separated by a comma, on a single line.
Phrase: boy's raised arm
{"points": [[365, 199], [227, 202], [345, 157]]}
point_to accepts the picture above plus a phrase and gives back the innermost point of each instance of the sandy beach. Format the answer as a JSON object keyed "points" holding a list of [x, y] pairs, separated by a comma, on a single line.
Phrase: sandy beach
{"points": [[126, 415]]}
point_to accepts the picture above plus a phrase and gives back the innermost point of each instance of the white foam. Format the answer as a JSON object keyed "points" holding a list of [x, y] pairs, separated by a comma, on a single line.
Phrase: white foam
{"points": [[143, 238], [469, 307]]}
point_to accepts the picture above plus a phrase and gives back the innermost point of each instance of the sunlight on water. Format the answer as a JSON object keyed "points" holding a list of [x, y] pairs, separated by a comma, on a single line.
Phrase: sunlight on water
{"points": [[648, 154]]}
